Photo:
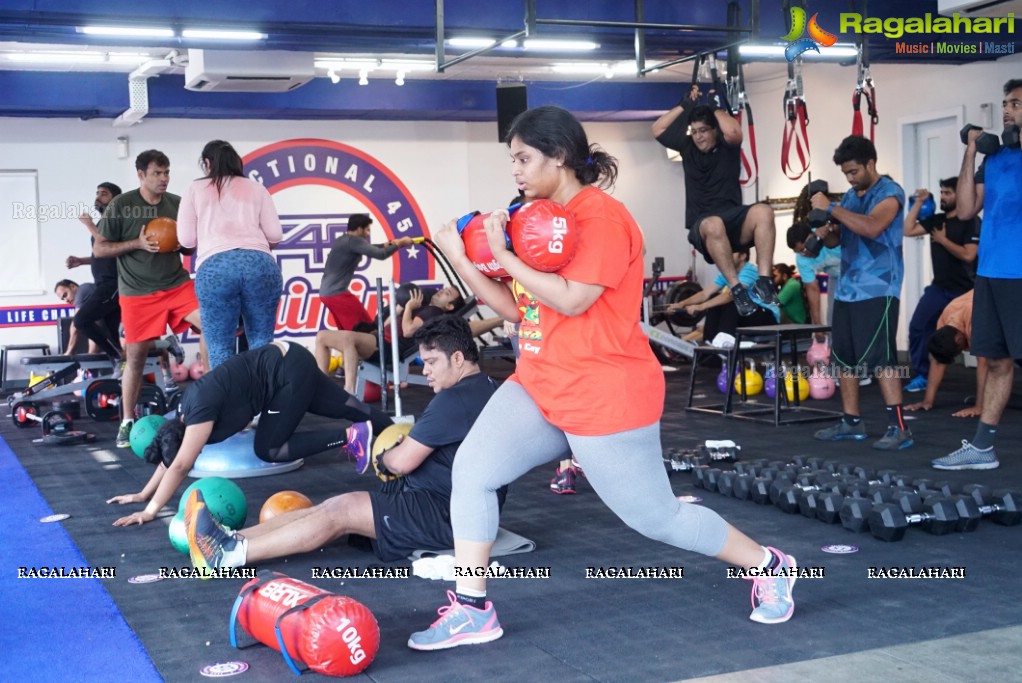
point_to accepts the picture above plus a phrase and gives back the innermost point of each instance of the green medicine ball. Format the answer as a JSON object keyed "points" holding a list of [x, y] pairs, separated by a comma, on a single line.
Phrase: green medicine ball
{"points": [[178, 533], [143, 432], [224, 499]]}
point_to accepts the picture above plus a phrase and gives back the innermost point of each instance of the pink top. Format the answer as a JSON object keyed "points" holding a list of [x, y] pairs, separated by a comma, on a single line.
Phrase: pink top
{"points": [[241, 217]]}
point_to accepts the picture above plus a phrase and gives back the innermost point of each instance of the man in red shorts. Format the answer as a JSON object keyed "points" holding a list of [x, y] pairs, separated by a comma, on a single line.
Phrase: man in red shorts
{"points": [[155, 289], [345, 255]]}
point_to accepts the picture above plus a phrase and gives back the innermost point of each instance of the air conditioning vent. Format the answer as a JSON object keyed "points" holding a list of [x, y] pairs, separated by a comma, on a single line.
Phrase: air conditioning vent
{"points": [[245, 71]]}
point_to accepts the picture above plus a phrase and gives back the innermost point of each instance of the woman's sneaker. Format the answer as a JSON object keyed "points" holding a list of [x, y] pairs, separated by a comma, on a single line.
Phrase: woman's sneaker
{"points": [[563, 481], [772, 602], [458, 625]]}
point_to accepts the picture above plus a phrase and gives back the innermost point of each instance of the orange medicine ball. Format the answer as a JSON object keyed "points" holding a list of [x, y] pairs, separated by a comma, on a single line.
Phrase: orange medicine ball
{"points": [[164, 231], [281, 502]]}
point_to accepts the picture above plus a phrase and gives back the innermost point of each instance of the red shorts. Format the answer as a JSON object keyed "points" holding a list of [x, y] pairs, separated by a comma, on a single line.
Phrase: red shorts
{"points": [[347, 310], [146, 316]]}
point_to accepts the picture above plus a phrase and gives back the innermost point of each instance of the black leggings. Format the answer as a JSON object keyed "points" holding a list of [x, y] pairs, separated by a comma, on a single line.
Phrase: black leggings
{"points": [[307, 390], [99, 318], [726, 319]]}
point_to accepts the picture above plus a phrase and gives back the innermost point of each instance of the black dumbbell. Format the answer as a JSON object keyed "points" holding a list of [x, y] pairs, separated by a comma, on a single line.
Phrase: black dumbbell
{"points": [[829, 505], [889, 523], [789, 497], [759, 491], [726, 482], [1001, 508], [700, 476], [743, 486], [854, 513], [710, 478]]}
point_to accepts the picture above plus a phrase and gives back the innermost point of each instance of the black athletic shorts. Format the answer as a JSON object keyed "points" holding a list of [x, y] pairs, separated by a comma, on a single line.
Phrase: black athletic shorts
{"points": [[408, 520], [864, 334], [996, 323], [733, 219]]}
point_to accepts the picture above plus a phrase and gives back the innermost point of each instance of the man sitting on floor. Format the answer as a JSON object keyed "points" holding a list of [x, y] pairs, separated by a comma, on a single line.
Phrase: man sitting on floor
{"points": [[400, 516]]}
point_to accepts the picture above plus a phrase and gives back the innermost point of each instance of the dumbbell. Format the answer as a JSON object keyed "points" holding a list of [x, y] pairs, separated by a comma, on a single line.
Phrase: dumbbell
{"points": [[1001, 508], [791, 498], [55, 424], [988, 143], [888, 522]]}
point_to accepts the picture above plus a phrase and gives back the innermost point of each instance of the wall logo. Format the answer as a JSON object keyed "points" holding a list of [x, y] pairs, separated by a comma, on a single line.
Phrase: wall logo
{"points": [[797, 45], [316, 185]]}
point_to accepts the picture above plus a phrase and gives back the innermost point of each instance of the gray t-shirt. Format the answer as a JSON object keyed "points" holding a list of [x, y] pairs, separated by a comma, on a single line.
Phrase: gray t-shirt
{"points": [[345, 255]]}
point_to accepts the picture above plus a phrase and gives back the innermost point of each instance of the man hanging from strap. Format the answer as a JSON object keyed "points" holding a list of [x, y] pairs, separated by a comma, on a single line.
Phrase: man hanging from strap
{"points": [[710, 142]]}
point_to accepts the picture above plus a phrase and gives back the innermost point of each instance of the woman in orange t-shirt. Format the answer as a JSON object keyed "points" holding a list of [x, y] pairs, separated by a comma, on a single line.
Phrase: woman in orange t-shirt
{"points": [[587, 384]]}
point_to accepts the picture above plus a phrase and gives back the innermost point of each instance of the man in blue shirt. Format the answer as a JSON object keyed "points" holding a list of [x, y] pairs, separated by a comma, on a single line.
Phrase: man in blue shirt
{"points": [[866, 300], [996, 325]]}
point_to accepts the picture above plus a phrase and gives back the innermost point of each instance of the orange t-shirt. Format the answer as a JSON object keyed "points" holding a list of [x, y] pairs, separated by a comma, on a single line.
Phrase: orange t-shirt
{"points": [[958, 314], [594, 373]]}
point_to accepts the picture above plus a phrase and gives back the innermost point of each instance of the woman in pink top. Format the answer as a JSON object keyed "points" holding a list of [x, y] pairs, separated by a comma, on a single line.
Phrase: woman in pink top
{"points": [[234, 225]]}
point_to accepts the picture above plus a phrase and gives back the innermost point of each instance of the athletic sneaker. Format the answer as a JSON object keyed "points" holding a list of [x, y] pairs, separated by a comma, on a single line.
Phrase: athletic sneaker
{"points": [[175, 349], [771, 595], [743, 302], [842, 430], [917, 384], [563, 481], [765, 290], [118, 371], [124, 434], [208, 540], [968, 457], [894, 439], [359, 438], [458, 625]]}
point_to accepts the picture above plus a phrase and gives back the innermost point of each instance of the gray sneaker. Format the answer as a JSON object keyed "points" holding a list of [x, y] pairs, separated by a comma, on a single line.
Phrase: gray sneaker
{"points": [[771, 594], [968, 457], [174, 348], [894, 439], [124, 434], [743, 302], [842, 430]]}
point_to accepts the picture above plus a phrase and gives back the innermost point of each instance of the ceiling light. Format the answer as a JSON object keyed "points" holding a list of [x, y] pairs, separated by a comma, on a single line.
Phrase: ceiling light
{"points": [[335, 78], [400, 79], [580, 68], [408, 64], [212, 34], [559, 45], [56, 57], [127, 31], [509, 44], [839, 51], [363, 77], [469, 42]]}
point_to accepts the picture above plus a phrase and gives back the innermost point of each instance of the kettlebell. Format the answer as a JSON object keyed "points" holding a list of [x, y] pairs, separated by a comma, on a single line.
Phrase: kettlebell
{"points": [[770, 381], [722, 379], [821, 384], [196, 370]]}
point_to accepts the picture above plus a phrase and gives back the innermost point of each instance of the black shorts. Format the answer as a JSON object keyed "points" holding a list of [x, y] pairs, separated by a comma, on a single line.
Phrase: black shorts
{"points": [[733, 219], [408, 520], [996, 324], [864, 334]]}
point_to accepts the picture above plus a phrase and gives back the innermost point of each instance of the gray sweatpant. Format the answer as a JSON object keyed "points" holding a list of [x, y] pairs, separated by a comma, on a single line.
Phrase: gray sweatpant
{"points": [[626, 470]]}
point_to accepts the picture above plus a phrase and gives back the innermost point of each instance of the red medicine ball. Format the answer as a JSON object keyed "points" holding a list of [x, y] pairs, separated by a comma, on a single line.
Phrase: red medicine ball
{"points": [[544, 236]]}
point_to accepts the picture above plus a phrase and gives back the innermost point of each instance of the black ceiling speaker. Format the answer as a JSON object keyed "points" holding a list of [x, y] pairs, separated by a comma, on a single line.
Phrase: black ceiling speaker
{"points": [[512, 100]]}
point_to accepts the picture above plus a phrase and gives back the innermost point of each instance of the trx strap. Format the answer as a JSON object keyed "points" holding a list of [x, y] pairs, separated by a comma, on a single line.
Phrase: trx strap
{"points": [[864, 87], [750, 169], [796, 122]]}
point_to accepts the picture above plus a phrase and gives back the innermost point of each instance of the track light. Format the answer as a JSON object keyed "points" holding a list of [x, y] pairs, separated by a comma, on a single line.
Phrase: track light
{"points": [[335, 77], [400, 79], [363, 77]]}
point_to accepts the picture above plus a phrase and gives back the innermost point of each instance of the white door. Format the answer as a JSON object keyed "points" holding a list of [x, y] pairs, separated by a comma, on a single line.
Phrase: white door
{"points": [[931, 150]]}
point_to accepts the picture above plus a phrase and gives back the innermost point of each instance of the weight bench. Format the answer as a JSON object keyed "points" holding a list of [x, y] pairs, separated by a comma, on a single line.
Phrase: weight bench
{"points": [[369, 370], [94, 362]]}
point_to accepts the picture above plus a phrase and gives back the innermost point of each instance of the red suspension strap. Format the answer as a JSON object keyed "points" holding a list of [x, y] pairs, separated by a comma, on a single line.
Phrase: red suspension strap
{"points": [[864, 87], [750, 161], [795, 141]]}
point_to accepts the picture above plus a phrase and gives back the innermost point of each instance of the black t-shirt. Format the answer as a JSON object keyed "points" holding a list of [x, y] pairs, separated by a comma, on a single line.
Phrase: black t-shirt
{"points": [[443, 426], [104, 269], [235, 391], [711, 178], [949, 272]]}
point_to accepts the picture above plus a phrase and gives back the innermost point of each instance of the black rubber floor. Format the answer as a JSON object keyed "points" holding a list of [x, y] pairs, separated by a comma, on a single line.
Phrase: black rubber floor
{"points": [[568, 627]]}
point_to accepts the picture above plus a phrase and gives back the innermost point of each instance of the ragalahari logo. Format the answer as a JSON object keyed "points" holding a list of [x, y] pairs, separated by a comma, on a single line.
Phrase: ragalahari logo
{"points": [[797, 45]]}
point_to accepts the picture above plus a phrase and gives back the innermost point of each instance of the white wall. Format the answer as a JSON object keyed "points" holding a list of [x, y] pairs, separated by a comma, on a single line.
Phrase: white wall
{"points": [[452, 167]]}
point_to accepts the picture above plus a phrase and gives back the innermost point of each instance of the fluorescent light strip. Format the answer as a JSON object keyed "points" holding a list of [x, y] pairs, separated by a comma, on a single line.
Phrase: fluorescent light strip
{"points": [[840, 51], [559, 45], [56, 57], [127, 31], [213, 34], [468, 42]]}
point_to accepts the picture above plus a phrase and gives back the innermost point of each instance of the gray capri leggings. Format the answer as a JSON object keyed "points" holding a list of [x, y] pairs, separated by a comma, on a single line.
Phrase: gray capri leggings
{"points": [[626, 470]]}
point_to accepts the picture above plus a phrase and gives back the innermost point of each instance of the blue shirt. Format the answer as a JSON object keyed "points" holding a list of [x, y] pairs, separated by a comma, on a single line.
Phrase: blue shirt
{"points": [[748, 276], [999, 250], [872, 268], [828, 261]]}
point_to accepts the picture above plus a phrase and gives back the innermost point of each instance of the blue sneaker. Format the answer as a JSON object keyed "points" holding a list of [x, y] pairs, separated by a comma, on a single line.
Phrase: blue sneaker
{"points": [[359, 438], [968, 457], [917, 384], [894, 439], [458, 625], [842, 430], [208, 540], [771, 595]]}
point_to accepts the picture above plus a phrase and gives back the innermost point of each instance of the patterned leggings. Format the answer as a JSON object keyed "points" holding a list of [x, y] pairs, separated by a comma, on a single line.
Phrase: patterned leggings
{"points": [[240, 283]]}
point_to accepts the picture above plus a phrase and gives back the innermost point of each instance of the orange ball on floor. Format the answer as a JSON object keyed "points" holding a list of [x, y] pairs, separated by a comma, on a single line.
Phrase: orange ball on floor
{"points": [[281, 502]]}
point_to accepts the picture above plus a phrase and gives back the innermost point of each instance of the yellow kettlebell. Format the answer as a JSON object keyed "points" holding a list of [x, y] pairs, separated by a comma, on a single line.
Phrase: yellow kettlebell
{"points": [[335, 363]]}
